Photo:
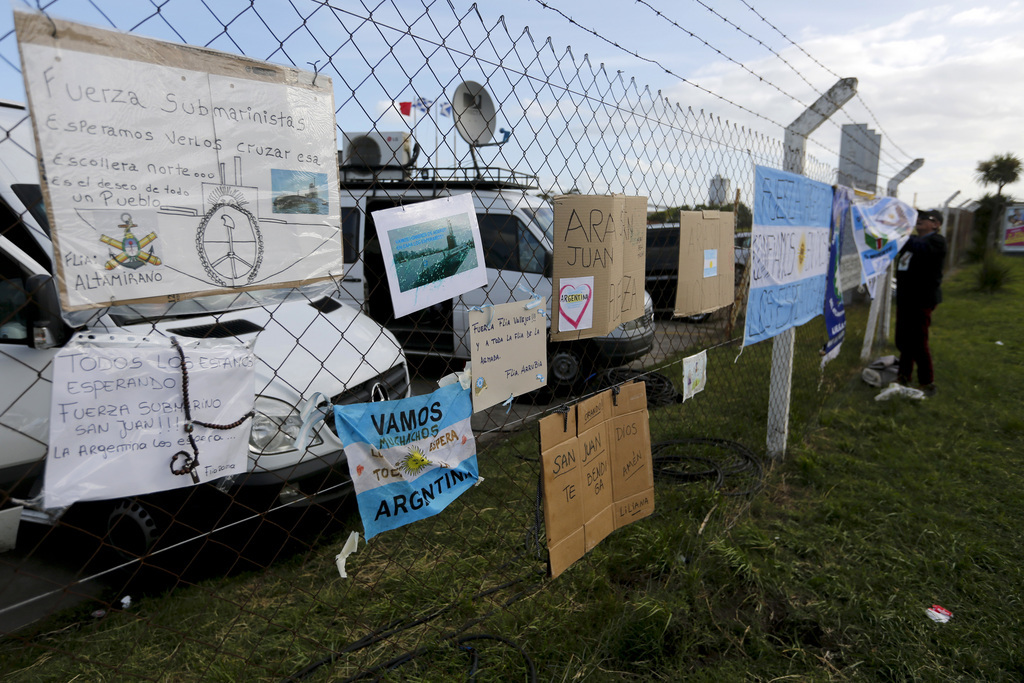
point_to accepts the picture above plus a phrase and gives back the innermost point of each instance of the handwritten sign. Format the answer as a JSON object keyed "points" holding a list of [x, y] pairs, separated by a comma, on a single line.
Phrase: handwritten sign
{"points": [[789, 252], [508, 351], [173, 172], [597, 471], [599, 260], [117, 417]]}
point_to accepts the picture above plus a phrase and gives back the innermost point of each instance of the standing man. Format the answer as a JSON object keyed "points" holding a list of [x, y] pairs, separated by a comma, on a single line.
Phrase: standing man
{"points": [[918, 292]]}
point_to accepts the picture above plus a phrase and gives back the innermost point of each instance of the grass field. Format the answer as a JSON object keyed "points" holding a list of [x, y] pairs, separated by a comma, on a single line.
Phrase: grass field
{"points": [[824, 572]]}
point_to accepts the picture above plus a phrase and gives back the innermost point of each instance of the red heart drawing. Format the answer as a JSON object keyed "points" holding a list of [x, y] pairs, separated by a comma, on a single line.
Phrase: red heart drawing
{"points": [[574, 304], [359, 469]]}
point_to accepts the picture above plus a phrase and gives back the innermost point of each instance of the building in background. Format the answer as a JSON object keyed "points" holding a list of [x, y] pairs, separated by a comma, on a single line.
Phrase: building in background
{"points": [[719, 191], [858, 157]]}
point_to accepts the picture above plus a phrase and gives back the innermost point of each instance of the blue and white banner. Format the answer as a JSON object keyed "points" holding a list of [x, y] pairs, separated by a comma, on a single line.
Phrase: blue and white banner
{"points": [[880, 228], [410, 458], [789, 252], [835, 311]]}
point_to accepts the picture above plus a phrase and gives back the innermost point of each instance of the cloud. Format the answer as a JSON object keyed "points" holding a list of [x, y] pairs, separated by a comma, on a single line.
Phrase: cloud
{"points": [[940, 85], [986, 16]]}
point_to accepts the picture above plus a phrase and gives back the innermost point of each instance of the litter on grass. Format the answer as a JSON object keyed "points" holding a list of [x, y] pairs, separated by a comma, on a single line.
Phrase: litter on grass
{"points": [[351, 545], [899, 390], [939, 614]]}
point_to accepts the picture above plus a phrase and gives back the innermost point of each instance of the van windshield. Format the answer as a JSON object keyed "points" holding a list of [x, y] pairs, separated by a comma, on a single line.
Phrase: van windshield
{"points": [[544, 218]]}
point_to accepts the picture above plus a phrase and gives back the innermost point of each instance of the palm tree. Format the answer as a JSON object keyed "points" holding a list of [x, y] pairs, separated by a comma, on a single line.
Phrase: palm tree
{"points": [[1000, 170]]}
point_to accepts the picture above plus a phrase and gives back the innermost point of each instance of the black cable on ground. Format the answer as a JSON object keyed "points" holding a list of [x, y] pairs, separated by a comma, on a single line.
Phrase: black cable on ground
{"points": [[660, 390], [674, 467], [739, 462], [400, 625], [531, 669]]}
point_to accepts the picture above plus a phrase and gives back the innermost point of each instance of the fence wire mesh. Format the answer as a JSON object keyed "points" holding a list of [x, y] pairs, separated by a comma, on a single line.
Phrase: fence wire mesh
{"points": [[237, 578]]}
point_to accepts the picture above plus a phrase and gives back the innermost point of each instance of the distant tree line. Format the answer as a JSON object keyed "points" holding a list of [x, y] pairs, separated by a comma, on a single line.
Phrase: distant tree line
{"points": [[744, 218]]}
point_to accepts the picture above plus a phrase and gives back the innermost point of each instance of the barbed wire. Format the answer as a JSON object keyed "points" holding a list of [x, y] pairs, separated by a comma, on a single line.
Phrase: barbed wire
{"points": [[897, 165], [830, 72], [761, 78]]}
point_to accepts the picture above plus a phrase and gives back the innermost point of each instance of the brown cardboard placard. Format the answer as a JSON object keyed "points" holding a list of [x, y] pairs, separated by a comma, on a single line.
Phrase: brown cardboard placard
{"points": [[585, 498], [599, 264], [563, 488], [632, 470], [634, 265], [561, 555], [594, 448], [706, 262]]}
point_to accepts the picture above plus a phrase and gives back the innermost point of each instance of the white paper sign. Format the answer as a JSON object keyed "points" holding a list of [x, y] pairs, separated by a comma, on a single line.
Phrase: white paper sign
{"points": [[432, 251], [117, 417], [695, 374], [576, 303], [508, 350], [169, 176]]}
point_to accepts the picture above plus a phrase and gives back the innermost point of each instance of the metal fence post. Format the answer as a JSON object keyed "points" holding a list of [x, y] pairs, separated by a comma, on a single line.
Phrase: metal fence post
{"points": [[782, 345], [895, 181]]}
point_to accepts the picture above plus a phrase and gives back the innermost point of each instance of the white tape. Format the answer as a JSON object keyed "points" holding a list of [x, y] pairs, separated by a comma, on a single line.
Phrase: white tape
{"points": [[351, 545]]}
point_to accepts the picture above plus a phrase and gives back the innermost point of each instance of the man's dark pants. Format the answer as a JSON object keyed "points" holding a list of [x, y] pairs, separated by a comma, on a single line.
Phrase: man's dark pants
{"points": [[912, 325]]}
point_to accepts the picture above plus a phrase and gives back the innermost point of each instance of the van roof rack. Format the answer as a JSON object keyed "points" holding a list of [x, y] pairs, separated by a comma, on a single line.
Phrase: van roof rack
{"points": [[488, 178]]}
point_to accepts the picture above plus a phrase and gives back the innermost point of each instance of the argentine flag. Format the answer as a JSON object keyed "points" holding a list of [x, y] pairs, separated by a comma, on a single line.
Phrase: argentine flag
{"points": [[410, 458]]}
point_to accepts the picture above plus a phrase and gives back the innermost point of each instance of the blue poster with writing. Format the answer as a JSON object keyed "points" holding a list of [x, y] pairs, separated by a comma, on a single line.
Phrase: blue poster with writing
{"points": [[789, 252], [409, 459], [835, 311]]}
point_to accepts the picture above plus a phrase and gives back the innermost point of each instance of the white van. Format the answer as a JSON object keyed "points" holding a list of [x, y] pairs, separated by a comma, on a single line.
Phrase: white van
{"points": [[303, 346], [516, 229]]}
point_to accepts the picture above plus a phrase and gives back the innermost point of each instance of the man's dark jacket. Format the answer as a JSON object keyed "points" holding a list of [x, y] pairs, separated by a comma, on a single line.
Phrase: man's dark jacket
{"points": [[919, 271]]}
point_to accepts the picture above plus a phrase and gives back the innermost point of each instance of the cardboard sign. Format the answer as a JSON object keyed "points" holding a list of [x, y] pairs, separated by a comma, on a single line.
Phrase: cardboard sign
{"points": [[171, 171], [432, 251], [789, 253], [597, 471], [706, 264], [508, 351], [409, 459], [600, 249], [117, 417]]}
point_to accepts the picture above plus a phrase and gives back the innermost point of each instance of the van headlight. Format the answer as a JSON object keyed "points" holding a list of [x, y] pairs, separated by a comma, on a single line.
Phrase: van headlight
{"points": [[275, 427]]}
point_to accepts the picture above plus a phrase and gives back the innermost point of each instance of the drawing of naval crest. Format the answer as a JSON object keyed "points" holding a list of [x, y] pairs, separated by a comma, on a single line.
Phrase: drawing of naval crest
{"points": [[131, 254], [229, 242]]}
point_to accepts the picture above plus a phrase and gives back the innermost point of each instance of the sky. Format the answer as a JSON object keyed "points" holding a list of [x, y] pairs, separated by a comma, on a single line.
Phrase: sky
{"points": [[942, 80], [939, 80]]}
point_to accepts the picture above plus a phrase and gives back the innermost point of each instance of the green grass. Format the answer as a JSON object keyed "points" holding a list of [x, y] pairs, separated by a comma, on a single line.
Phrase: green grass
{"points": [[879, 510]]}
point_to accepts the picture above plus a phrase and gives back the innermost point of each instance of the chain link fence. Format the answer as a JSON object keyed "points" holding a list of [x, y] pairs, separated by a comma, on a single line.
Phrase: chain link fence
{"points": [[237, 578]]}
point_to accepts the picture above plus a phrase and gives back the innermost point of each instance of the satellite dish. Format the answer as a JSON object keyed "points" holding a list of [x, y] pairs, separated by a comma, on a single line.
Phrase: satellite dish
{"points": [[474, 113]]}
